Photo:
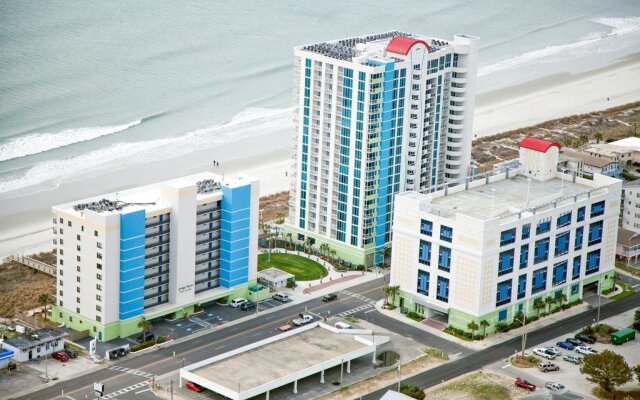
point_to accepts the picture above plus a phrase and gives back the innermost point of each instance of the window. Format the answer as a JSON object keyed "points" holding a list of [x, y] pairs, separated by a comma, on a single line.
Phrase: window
{"points": [[524, 255], [502, 315], [77, 310], [61, 283], [61, 261], [563, 220], [539, 280], [78, 258], [593, 262], [98, 297], [505, 262], [597, 209], [423, 282], [595, 233], [446, 233], [78, 289], [77, 237], [575, 288], [99, 266], [559, 274], [98, 286], [61, 292], [425, 253], [426, 227], [78, 268], [99, 245], [543, 227], [95, 233], [575, 271], [526, 231], [98, 307], [503, 295], [522, 286], [578, 240], [60, 272], [581, 212], [62, 220], [541, 252], [562, 244], [61, 252], [78, 248], [99, 255], [444, 259], [78, 279], [443, 289], [69, 223], [98, 318], [99, 277], [508, 237], [61, 231]]}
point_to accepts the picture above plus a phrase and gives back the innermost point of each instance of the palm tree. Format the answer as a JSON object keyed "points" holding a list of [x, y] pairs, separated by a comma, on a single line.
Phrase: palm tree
{"points": [[472, 327], [324, 249], [280, 217], [548, 302], [392, 291], [44, 299], [538, 304], [598, 136], [145, 325], [307, 245], [332, 255], [484, 324], [583, 139], [290, 239]]}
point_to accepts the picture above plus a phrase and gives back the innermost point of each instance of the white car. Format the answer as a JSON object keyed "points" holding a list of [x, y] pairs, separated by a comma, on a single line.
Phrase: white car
{"points": [[586, 350], [304, 319], [342, 325], [235, 303], [555, 386], [542, 352], [553, 351]]}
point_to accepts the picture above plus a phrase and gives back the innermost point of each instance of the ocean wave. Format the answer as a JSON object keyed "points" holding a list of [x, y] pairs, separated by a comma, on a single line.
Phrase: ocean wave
{"points": [[35, 143], [621, 26], [252, 122]]}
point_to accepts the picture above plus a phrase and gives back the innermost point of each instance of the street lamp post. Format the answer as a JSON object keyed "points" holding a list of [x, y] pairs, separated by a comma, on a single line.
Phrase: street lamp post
{"points": [[599, 298], [524, 332]]}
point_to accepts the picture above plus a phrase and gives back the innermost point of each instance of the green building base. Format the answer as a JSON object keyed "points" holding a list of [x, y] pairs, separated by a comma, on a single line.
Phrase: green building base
{"points": [[354, 255], [125, 328], [460, 320]]}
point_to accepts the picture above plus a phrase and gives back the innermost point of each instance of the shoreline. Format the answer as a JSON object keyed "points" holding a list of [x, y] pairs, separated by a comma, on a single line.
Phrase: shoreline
{"points": [[26, 227]]}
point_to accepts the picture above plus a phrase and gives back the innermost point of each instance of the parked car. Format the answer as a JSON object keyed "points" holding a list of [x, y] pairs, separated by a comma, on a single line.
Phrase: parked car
{"points": [[573, 341], [145, 337], [522, 383], [194, 386], [546, 366], [553, 351], [572, 359], [302, 320], [248, 305], [60, 356], [281, 297], [586, 350], [542, 352], [342, 325], [586, 338], [565, 345], [71, 353], [555, 386], [329, 297], [237, 302]]}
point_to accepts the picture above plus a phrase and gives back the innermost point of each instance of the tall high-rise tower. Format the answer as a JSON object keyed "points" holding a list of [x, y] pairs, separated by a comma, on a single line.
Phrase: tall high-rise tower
{"points": [[376, 115]]}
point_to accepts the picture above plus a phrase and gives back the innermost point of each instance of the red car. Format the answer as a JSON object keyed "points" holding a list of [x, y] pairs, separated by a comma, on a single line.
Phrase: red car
{"points": [[60, 355], [194, 386], [521, 383]]}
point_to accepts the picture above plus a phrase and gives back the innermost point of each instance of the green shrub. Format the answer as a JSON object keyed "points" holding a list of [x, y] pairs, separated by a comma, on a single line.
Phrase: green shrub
{"points": [[503, 327], [636, 326], [415, 316], [636, 315], [412, 391]]}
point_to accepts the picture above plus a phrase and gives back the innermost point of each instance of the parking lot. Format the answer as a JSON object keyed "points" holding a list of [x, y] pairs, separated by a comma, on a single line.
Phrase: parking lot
{"points": [[569, 374]]}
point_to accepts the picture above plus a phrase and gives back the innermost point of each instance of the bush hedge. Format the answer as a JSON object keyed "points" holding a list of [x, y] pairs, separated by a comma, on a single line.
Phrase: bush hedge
{"points": [[412, 391]]}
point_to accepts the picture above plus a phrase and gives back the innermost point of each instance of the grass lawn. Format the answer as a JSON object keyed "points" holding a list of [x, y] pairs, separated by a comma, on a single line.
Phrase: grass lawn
{"points": [[626, 291], [303, 268]]}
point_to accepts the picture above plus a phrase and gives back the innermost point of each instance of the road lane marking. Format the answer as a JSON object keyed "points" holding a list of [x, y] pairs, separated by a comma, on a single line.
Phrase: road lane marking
{"points": [[225, 338], [506, 366], [367, 312], [142, 391], [220, 347]]}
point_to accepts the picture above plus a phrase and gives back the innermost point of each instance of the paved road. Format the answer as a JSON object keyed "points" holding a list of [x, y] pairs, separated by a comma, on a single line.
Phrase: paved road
{"points": [[129, 373], [504, 350]]}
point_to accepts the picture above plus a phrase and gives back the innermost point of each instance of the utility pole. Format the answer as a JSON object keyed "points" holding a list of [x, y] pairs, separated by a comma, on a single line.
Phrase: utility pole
{"points": [[171, 388], [399, 375]]}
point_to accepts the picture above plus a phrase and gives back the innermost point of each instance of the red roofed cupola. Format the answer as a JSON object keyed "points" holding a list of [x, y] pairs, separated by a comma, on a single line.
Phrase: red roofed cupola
{"points": [[402, 45], [538, 144]]}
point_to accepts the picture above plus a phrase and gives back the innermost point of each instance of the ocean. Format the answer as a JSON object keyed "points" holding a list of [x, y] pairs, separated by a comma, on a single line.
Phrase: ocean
{"points": [[96, 86]]}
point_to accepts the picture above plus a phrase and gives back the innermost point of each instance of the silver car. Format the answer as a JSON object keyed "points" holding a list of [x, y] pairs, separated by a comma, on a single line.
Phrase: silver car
{"points": [[555, 386]]}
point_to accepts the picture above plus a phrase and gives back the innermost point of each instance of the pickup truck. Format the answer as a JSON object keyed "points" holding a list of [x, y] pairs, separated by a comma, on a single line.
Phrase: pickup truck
{"points": [[304, 319]]}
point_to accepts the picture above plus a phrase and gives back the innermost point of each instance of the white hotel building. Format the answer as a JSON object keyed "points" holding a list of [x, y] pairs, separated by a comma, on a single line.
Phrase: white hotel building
{"points": [[376, 115], [154, 250], [487, 248]]}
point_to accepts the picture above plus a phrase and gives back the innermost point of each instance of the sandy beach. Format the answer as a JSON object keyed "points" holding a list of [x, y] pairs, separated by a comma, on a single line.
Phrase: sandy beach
{"points": [[25, 221]]}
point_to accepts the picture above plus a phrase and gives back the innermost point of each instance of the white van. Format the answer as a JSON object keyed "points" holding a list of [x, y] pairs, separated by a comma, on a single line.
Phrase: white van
{"points": [[235, 303]]}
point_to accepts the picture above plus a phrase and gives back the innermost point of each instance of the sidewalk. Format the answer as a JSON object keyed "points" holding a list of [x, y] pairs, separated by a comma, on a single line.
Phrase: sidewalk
{"points": [[491, 340]]}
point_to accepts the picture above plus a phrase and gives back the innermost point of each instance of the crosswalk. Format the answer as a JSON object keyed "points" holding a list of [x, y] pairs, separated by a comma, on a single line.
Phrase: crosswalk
{"points": [[128, 389], [359, 297], [200, 322], [354, 310], [131, 371]]}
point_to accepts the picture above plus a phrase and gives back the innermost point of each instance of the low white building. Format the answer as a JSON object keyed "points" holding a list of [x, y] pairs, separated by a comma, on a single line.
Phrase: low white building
{"points": [[583, 162], [486, 249], [274, 278], [34, 345]]}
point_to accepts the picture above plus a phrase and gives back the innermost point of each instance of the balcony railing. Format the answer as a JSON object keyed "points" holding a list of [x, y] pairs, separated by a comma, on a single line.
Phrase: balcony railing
{"points": [[152, 295], [157, 223]]}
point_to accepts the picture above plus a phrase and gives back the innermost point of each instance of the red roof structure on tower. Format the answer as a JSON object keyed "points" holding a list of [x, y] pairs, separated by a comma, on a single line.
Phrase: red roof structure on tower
{"points": [[538, 144], [402, 44]]}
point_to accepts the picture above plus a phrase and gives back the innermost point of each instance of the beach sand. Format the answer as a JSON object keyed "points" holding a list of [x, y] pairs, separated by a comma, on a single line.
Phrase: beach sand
{"points": [[26, 221]]}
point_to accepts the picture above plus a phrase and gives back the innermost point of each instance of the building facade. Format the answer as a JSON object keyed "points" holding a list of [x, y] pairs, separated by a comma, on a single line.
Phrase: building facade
{"points": [[154, 251], [376, 115], [488, 248], [630, 210]]}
